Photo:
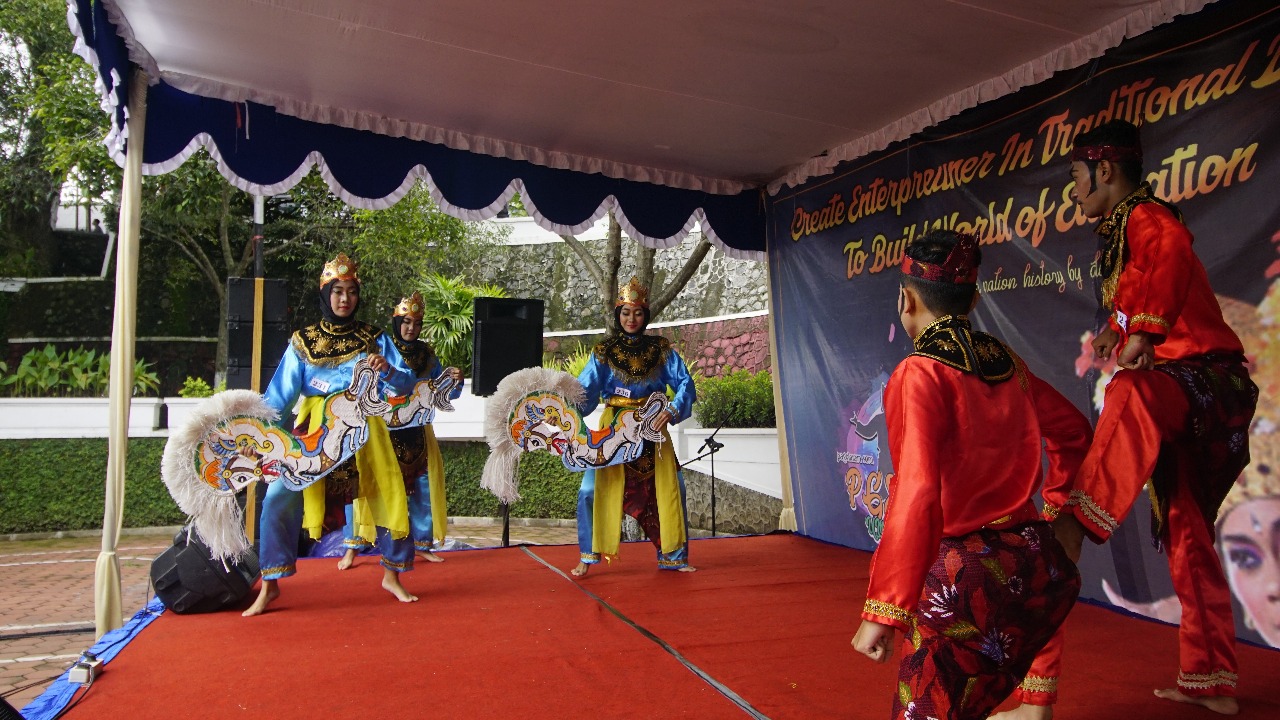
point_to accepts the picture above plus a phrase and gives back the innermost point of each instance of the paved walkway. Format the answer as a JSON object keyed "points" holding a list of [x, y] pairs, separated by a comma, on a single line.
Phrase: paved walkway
{"points": [[46, 595]]}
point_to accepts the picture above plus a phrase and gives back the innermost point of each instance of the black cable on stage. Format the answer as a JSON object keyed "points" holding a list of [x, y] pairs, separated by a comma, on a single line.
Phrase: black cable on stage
{"points": [[732, 696]]}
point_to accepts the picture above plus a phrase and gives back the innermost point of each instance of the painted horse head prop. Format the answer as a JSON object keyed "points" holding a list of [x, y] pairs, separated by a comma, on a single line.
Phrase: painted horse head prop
{"points": [[234, 438], [537, 410]]}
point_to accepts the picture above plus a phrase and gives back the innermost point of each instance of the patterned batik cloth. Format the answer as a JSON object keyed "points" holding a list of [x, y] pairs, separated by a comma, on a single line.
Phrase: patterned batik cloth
{"points": [[990, 602]]}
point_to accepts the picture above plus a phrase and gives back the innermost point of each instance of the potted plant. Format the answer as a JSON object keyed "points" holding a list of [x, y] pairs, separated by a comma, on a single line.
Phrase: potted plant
{"points": [[193, 391], [63, 394]]}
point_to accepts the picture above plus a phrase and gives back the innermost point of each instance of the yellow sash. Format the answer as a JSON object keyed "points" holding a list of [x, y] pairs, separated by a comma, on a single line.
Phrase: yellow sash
{"points": [[435, 478], [380, 500], [610, 483]]}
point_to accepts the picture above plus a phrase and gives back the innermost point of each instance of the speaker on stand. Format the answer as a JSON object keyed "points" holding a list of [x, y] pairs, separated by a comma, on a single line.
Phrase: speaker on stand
{"points": [[507, 337], [275, 338]]}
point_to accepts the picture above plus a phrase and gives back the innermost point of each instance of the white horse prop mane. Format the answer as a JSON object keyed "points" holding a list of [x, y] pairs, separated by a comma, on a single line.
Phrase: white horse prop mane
{"points": [[234, 438], [537, 410]]}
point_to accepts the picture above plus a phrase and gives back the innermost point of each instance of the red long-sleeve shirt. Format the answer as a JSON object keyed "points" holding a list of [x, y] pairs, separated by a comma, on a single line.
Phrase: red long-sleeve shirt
{"points": [[966, 454]]}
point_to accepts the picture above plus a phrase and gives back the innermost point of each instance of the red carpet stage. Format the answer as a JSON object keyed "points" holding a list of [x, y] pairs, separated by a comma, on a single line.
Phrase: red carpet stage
{"points": [[762, 629]]}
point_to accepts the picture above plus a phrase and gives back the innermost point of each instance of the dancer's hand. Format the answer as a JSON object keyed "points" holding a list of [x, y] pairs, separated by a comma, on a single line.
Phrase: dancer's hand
{"points": [[1139, 353], [1105, 343], [875, 640], [660, 421], [378, 364], [454, 374]]}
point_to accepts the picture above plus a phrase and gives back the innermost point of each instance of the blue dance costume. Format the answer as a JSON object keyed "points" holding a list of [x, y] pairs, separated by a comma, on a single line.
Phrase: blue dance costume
{"points": [[623, 371], [318, 362]]}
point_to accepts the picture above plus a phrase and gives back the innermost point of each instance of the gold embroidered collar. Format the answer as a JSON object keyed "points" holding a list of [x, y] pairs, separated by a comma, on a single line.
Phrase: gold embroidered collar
{"points": [[952, 342], [634, 358], [328, 344], [417, 354]]}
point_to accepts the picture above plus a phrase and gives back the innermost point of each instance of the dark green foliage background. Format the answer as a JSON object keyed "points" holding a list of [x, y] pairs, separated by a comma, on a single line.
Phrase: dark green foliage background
{"points": [[739, 399], [58, 484]]}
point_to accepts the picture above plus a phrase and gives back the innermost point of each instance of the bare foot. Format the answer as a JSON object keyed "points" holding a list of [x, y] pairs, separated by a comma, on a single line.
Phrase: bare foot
{"points": [[270, 591], [348, 559], [429, 556], [391, 583], [1026, 711], [1218, 703], [580, 570], [1070, 533], [688, 568]]}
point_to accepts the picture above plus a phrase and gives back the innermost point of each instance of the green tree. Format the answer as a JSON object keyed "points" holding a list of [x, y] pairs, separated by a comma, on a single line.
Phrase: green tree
{"points": [[194, 212], [605, 270], [402, 245], [50, 128], [449, 317]]}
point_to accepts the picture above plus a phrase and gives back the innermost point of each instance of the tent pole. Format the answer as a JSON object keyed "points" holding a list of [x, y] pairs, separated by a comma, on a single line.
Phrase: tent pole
{"points": [[786, 520], [106, 586]]}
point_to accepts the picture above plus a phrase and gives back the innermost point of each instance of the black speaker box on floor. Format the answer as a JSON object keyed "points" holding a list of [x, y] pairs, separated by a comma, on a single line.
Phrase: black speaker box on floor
{"points": [[508, 337], [188, 580]]}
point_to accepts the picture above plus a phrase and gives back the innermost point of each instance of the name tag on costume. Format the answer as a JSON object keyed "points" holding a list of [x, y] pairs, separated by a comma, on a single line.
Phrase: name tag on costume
{"points": [[320, 385], [622, 392]]}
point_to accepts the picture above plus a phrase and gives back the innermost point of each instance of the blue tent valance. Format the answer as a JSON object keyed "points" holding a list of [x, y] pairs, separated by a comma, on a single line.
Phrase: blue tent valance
{"points": [[261, 150]]}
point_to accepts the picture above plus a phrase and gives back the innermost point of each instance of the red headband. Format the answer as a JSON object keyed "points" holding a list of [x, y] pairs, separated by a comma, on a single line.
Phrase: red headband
{"points": [[1110, 153], [960, 267]]}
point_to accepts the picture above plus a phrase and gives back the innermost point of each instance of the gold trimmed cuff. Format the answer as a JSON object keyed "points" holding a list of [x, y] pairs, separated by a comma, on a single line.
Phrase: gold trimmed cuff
{"points": [[887, 610], [1039, 684], [1217, 678], [1050, 512], [1093, 512], [1149, 319]]}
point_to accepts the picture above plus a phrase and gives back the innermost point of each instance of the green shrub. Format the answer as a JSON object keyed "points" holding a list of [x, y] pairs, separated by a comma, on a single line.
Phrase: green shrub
{"points": [[76, 373], [738, 399], [59, 484], [194, 387]]}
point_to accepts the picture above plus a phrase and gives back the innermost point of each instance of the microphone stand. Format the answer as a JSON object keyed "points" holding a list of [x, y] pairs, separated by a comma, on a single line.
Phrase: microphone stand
{"points": [[709, 449]]}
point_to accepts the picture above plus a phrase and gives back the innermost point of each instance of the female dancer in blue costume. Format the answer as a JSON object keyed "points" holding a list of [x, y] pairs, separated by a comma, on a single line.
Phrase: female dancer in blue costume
{"points": [[624, 370], [318, 362], [416, 448]]}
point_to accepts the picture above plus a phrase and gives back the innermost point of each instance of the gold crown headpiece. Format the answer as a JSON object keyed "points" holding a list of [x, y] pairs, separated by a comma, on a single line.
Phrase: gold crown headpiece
{"points": [[633, 293], [339, 268], [411, 306]]}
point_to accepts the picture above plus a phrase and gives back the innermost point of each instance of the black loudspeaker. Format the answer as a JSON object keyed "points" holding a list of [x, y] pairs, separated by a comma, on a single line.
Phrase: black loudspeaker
{"points": [[275, 330], [188, 580], [508, 337], [7, 711]]}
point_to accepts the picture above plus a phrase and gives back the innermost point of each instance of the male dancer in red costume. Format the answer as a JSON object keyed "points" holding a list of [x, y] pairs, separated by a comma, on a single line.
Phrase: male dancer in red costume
{"points": [[1176, 418], [966, 567]]}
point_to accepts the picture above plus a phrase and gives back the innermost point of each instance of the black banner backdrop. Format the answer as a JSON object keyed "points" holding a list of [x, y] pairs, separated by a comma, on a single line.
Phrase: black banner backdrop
{"points": [[1206, 90]]}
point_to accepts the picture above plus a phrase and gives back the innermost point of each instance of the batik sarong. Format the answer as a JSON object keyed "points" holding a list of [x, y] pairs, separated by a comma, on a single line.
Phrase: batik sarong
{"points": [[991, 600]]}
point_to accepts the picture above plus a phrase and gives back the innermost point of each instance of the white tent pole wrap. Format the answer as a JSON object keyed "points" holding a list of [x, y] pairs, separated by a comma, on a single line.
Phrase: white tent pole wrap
{"points": [[787, 519], [106, 585]]}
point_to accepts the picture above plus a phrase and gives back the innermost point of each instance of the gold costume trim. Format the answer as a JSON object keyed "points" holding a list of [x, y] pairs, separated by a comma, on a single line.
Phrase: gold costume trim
{"points": [[1092, 511], [417, 354], [1149, 318], [1051, 512], [1214, 679], [1039, 684], [951, 341], [326, 344], [634, 358], [889, 610]]}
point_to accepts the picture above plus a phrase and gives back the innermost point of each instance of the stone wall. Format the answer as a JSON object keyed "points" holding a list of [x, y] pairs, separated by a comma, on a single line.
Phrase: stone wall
{"points": [[739, 511], [551, 271]]}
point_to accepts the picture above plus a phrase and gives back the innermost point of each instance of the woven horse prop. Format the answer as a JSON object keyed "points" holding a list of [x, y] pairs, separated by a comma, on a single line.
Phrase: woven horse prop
{"points": [[235, 438], [537, 410]]}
